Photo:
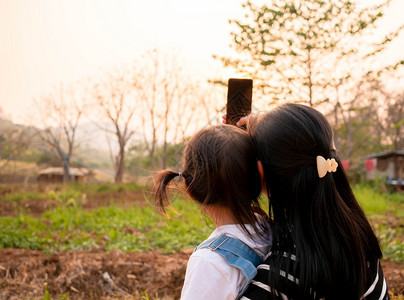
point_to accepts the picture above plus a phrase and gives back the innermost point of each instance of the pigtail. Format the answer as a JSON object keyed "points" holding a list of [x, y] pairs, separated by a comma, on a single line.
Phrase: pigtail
{"points": [[161, 183]]}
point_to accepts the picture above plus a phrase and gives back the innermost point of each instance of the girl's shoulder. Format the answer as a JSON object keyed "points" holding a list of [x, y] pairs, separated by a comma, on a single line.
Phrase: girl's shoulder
{"points": [[209, 276], [261, 243]]}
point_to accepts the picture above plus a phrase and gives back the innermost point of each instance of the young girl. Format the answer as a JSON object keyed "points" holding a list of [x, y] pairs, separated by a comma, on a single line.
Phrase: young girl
{"points": [[220, 173], [324, 247]]}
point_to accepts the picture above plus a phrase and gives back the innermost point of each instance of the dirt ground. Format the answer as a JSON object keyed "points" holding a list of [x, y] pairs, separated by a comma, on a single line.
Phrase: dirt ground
{"points": [[25, 274]]}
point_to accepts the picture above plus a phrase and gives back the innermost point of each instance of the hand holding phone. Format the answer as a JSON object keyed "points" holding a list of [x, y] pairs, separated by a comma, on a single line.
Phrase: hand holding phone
{"points": [[239, 99]]}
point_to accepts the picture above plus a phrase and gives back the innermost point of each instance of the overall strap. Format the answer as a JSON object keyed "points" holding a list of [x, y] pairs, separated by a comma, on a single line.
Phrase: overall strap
{"points": [[235, 252]]}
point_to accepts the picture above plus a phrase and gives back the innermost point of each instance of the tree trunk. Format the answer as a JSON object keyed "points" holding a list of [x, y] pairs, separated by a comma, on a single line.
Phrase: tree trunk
{"points": [[120, 166], [66, 171], [310, 83], [336, 137]]}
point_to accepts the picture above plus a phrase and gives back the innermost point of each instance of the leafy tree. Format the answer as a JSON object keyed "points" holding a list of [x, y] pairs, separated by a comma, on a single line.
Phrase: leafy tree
{"points": [[15, 141], [310, 51]]}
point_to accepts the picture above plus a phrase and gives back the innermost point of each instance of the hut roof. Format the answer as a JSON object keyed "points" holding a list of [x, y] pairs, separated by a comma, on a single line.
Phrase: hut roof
{"points": [[59, 171], [386, 154]]}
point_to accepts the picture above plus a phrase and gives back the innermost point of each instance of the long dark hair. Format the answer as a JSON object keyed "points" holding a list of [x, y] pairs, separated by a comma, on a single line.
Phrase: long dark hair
{"points": [[219, 166], [319, 219]]}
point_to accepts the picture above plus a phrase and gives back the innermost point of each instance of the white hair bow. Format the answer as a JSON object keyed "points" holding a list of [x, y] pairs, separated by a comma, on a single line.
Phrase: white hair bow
{"points": [[324, 166]]}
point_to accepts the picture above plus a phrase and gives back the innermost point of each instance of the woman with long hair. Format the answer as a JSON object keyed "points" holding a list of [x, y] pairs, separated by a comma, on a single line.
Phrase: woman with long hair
{"points": [[323, 245]]}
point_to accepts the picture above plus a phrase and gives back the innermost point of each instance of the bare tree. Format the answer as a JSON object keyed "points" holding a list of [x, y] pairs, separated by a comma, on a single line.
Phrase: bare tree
{"points": [[117, 103], [352, 117], [391, 105], [372, 118], [390, 117], [213, 102], [169, 102], [395, 118], [58, 115], [395, 123]]}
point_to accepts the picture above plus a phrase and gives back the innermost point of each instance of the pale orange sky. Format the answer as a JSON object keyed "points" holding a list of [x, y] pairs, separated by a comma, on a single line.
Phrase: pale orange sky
{"points": [[46, 42]]}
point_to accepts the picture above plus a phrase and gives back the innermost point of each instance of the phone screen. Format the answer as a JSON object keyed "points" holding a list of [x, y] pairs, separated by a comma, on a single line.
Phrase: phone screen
{"points": [[239, 98]]}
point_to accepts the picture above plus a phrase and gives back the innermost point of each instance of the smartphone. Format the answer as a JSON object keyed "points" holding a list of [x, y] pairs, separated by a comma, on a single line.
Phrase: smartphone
{"points": [[239, 99]]}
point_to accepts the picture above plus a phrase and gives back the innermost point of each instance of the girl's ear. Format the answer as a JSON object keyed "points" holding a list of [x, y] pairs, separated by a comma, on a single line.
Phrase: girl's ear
{"points": [[262, 176]]}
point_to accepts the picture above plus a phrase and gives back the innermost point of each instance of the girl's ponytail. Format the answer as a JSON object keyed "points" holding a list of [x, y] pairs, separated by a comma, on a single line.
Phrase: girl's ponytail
{"points": [[161, 181]]}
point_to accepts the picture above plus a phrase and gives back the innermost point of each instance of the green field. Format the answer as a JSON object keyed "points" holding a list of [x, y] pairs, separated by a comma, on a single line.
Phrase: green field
{"points": [[386, 213], [70, 227], [138, 227]]}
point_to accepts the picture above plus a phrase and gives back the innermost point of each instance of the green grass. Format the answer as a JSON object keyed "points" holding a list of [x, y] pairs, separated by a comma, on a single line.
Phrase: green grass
{"points": [[24, 196], [375, 203], [371, 201], [128, 229], [139, 228], [395, 197], [392, 245], [385, 210]]}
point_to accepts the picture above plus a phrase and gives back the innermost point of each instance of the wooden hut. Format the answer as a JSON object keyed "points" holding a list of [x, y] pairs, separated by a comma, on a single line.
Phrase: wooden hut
{"points": [[55, 175], [386, 165]]}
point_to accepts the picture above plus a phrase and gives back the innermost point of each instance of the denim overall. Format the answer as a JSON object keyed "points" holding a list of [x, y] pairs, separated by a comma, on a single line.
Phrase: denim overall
{"points": [[236, 254]]}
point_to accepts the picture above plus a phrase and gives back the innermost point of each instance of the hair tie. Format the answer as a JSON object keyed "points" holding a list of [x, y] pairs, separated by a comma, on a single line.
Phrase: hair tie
{"points": [[324, 166]]}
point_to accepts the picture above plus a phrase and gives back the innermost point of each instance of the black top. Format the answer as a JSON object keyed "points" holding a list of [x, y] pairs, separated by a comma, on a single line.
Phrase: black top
{"points": [[288, 283]]}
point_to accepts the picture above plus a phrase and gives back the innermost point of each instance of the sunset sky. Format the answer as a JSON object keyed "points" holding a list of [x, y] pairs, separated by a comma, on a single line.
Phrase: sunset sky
{"points": [[46, 42]]}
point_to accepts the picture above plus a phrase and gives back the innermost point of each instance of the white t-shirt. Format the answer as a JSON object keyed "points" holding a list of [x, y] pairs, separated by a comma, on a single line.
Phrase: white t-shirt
{"points": [[209, 276]]}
